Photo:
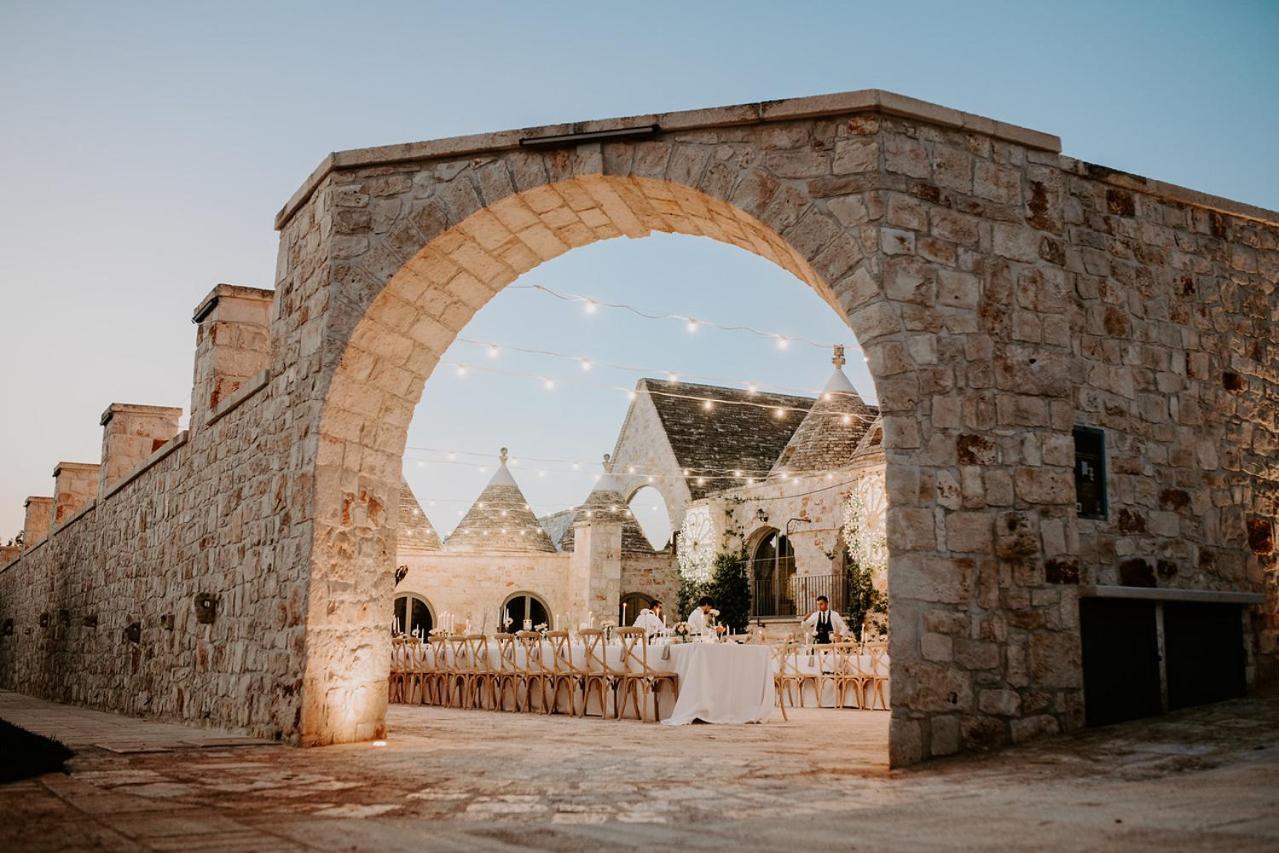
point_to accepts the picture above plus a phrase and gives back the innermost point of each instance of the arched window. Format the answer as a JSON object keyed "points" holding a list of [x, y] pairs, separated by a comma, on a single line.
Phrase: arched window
{"points": [[631, 605], [524, 606], [413, 614], [772, 573], [648, 507]]}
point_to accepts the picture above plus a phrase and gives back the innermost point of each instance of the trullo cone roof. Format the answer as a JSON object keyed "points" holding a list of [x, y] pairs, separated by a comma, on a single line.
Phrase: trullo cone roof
{"points": [[499, 521], [605, 503], [828, 436], [416, 532]]}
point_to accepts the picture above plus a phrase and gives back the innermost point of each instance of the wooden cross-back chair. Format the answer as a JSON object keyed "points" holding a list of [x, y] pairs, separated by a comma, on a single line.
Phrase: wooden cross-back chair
{"points": [[599, 679], [508, 676], [638, 679], [538, 675], [566, 676]]}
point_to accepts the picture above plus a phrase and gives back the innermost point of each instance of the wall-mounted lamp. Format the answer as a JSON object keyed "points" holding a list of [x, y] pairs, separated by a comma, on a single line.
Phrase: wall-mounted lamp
{"points": [[761, 516]]}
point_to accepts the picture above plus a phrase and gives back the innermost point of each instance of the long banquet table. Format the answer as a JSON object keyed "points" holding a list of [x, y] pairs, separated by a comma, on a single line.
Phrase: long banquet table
{"points": [[718, 682]]}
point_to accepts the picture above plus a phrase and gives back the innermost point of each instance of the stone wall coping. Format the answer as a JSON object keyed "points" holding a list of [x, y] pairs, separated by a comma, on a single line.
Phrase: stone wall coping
{"points": [[229, 291], [787, 109], [251, 386], [137, 409], [1170, 192], [1151, 593], [37, 499], [75, 466], [160, 452], [54, 531]]}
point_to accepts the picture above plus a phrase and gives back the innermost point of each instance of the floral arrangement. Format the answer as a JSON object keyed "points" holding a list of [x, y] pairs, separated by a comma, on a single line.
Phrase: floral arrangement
{"points": [[680, 630]]}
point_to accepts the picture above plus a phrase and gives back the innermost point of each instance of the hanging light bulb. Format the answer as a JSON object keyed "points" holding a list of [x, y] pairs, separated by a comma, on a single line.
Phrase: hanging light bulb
{"points": [[630, 395], [650, 478], [630, 469], [783, 342], [737, 474], [701, 481], [779, 413], [708, 405], [548, 384], [452, 456], [752, 389], [494, 351], [541, 473], [591, 306], [846, 420], [692, 325], [461, 370], [577, 467], [586, 364], [672, 378]]}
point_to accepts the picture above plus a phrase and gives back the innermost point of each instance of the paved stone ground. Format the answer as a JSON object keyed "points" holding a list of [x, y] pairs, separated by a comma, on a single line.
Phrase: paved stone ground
{"points": [[1207, 778]]}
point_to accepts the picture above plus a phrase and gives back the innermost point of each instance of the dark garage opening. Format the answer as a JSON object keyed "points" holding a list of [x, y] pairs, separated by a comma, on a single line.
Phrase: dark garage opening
{"points": [[1203, 644], [1121, 660]]}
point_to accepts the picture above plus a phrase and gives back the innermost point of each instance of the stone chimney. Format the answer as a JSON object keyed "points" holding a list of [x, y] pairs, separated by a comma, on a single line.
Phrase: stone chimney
{"points": [[36, 525], [232, 343], [75, 484], [130, 434]]}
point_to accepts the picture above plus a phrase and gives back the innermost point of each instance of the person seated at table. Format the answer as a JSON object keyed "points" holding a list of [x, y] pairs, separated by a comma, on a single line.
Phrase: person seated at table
{"points": [[703, 616], [650, 619], [824, 621]]}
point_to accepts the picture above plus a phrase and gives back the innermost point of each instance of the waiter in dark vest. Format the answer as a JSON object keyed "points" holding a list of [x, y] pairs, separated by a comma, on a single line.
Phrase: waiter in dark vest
{"points": [[824, 622]]}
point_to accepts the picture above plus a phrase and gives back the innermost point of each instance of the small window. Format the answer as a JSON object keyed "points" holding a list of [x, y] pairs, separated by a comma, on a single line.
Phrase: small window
{"points": [[1090, 472]]}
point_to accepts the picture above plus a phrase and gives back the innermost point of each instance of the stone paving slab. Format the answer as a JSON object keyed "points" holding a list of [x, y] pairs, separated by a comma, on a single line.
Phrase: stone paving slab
{"points": [[1205, 778]]}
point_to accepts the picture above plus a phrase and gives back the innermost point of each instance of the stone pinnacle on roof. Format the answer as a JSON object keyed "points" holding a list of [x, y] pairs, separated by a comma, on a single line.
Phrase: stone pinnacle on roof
{"points": [[828, 436], [500, 521], [605, 503], [416, 532]]}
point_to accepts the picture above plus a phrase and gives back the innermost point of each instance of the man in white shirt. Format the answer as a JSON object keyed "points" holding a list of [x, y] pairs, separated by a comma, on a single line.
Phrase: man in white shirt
{"points": [[702, 616], [650, 619], [824, 622]]}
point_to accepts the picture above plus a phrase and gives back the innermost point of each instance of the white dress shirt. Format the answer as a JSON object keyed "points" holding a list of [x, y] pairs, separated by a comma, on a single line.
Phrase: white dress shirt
{"points": [[697, 621], [837, 623], [649, 621]]}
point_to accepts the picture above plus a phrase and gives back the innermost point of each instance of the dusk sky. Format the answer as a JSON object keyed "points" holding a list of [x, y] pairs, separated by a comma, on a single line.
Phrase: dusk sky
{"points": [[146, 148]]}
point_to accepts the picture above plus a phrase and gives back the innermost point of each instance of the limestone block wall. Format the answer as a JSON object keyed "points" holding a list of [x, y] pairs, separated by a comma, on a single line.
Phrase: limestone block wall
{"points": [[473, 586], [653, 575], [643, 445], [1068, 295]]}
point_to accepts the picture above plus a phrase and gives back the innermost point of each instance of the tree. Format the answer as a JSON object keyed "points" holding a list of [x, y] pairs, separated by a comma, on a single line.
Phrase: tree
{"points": [[863, 598], [731, 588]]}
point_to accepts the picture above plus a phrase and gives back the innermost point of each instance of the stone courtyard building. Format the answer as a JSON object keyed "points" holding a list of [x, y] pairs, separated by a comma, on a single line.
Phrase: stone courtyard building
{"points": [[1076, 370]]}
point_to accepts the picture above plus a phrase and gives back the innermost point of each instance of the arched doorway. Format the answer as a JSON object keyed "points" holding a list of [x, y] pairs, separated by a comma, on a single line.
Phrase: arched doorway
{"points": [[772, 572], [524, 609], [411, 284], [631, 605], [413, 615]]}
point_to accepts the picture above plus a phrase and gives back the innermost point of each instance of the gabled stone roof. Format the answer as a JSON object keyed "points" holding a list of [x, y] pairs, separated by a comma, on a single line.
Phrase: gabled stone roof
{"points": [[741, 433], [605, 503], [499, 521], [556, 525], [830, 432], [416, 532]]}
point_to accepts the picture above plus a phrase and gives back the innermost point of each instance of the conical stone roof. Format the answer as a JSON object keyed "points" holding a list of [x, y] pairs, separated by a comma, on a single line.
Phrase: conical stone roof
{"points": [[829, 434], [499, 521], [605, 503], [416, 532]]}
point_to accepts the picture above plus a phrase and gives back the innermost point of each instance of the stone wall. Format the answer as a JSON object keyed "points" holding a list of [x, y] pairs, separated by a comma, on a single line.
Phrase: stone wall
{"points": [[473, 586], [652, 575], [1002, 294]]}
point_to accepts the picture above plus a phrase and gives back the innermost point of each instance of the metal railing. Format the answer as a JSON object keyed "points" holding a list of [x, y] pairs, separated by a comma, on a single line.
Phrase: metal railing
{"points": [[795, 595]]}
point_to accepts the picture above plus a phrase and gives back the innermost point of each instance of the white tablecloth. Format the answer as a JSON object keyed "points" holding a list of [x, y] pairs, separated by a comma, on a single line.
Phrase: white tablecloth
{"points": [[718, 682], [721, 683]]}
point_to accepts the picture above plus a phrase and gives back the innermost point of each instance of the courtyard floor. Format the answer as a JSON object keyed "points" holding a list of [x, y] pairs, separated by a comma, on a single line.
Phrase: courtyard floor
{"points": [[1206, 778]]}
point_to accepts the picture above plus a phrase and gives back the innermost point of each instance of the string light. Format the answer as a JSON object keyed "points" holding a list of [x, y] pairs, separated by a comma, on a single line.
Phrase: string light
{"points": [[591, 305], [548, 383], [692, 325], [494, 351], [579, 358]]}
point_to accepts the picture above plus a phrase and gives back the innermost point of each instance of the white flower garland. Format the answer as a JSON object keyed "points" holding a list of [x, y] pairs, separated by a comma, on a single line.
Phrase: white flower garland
{"points": [[864, 528]]}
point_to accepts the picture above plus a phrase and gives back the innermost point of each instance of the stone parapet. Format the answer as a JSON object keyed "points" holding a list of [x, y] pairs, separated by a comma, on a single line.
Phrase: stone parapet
{"points": [[39, 514], [75, 486], [130, 434], [232, 344]]}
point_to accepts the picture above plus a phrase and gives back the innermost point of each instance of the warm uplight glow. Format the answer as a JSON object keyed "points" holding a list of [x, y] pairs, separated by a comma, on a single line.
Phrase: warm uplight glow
{"points": [[379, 743]]}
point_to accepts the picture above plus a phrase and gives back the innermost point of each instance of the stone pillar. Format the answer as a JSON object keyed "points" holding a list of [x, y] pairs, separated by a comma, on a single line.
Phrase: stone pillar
{"points": [[232, 343], [595, 571], [75, 484], [36, 525], [130, 434]]}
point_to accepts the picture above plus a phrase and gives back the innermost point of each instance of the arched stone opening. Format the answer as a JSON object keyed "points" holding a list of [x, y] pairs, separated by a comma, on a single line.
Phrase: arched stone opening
{"points": [[652, 512], [447, 257]]}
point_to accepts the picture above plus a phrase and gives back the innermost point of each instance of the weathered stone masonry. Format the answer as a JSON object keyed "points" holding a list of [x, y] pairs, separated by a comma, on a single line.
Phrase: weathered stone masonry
{"points": [[1002, 292]]}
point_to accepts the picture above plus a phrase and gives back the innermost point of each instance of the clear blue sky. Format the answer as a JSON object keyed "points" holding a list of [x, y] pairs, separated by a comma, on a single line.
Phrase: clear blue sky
{"points": [[146, 147]]}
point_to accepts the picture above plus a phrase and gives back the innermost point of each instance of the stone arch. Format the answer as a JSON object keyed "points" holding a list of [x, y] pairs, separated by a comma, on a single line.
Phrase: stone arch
{"points": [[634, 492], [413, 287]]}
